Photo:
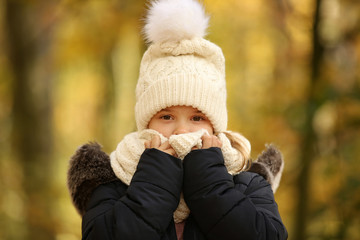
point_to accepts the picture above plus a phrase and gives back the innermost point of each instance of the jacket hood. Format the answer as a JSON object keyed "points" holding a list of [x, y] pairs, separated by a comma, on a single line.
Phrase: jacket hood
{"points": [[90, 167]]}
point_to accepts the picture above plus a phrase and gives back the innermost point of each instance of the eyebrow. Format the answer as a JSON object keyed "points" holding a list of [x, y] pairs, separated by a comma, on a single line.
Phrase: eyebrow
{"points": [[169, 110], [165, 110]]}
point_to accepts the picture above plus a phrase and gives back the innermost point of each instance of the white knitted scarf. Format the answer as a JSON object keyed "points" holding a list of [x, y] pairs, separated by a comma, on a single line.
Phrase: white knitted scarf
{"points": [[125, 158]]}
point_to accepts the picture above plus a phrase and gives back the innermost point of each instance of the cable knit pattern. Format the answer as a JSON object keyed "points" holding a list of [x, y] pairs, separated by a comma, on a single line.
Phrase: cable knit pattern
{"points": [[186, 72], [125, 158], [180, 67]]}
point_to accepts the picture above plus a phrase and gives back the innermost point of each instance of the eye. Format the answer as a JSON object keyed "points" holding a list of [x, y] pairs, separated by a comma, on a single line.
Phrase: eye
{"points": [[166, 117], [197, 118]]}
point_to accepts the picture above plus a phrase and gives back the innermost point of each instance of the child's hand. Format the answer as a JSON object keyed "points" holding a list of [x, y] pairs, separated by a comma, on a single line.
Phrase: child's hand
{"points": [[209, 141], [155, 142]]}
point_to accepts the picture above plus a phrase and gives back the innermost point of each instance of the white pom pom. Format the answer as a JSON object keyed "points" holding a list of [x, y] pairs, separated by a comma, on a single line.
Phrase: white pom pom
{"points": [[174, 20]]}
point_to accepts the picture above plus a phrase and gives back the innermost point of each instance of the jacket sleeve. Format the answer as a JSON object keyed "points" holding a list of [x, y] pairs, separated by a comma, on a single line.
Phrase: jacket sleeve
{"points": [[145, 209], [227, 207]]}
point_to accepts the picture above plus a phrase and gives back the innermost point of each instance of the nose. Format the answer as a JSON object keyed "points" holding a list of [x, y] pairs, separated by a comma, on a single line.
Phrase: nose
{"points": [[181, 128]]}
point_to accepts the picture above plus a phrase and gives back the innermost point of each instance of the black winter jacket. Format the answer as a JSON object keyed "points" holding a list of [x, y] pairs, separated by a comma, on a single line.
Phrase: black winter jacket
{"points": [[222, 206]]}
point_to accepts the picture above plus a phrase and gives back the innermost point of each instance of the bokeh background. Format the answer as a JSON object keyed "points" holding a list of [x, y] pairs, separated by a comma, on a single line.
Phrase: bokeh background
{"points": [[68, 71]]}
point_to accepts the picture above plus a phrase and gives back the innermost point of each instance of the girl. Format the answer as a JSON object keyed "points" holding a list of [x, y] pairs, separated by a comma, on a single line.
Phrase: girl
{"points": [[182, 174]]}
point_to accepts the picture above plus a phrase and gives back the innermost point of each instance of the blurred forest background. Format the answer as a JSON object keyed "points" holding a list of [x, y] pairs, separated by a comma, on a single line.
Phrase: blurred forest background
{"points": [[68, 71]]}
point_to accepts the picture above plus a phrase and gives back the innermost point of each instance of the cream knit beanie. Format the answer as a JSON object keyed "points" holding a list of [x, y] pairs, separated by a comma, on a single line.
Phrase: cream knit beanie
{"points": [[180, 67]]}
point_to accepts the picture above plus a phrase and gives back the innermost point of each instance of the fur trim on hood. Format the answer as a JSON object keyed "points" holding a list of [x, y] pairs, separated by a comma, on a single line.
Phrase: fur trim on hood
{"points": [[270, 165], [90, 167]]}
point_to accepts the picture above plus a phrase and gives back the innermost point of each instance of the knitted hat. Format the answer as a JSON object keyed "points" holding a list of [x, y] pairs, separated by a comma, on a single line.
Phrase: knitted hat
{"points": [[180, 67]]}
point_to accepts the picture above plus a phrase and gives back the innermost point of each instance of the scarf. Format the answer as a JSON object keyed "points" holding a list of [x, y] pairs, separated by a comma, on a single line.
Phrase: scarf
{"points": [[125, 158]]}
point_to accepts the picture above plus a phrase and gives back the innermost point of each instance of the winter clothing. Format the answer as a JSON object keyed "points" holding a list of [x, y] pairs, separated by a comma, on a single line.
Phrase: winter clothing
{"points": [[89, 168], [135, 194], [180, 67], [125, 158], [109, 206], [242, 206]]}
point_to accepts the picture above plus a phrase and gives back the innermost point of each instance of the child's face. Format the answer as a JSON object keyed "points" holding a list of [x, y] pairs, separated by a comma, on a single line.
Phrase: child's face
{"points": [[179, 119]]}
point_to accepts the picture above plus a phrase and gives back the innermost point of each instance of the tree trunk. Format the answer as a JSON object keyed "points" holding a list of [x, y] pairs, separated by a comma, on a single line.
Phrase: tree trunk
{"points": [[308, 152], [31, 129]]}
